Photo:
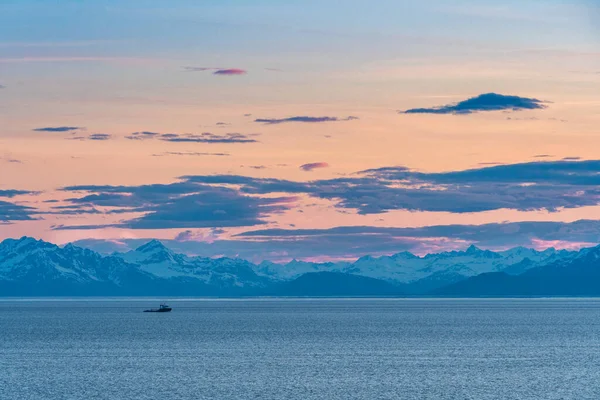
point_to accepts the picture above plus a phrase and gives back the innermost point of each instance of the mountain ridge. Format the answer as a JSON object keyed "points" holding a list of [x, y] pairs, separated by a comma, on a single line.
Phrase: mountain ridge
{"points": [[35, 267]]}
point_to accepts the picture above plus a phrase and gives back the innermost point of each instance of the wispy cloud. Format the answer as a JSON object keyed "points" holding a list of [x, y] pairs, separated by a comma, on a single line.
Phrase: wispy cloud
{"points": [[312, 166], [143, 135], [528, 186], [180, 205], [352, 242], [10, 160], [14, 192], [189, 154], [99, 136], [58, 129], [217, 70], [15, 212], [307, 119], [206, 137], [481, 103], [230, 71]]}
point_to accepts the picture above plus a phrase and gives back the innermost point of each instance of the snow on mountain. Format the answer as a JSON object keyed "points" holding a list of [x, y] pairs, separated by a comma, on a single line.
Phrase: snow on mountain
{"points": [[156, 259], [35, 261], [26, 264], [406, 267]]}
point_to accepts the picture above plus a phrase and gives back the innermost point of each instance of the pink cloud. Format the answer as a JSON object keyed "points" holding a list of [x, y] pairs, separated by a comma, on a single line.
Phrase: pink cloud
{"points": [[540, 244], [217, 70], [230, 71], [309, 167]]}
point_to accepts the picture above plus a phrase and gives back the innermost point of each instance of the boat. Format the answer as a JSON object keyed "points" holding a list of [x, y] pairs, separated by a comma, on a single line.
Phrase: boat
{"points": [[162, 308]]}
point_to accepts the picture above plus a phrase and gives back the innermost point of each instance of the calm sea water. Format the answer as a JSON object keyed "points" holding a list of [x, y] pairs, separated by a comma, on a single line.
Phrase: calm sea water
{"points": [[301, 349]]}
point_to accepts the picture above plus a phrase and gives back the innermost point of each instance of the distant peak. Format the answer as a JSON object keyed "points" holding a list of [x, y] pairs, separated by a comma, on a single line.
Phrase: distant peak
{"points": [[152, 245], [473, 249], [27, 239], [404, 254]]}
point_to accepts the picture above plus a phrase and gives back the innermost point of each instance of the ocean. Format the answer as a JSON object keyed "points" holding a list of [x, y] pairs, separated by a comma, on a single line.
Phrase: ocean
{"points": [[300, 349]]}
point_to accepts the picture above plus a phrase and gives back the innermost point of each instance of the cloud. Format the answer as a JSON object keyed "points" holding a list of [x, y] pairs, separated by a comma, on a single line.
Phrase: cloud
{"points": [[11, 160], [13, 192], [143, 135], [351, 242], [525, 187], [217, 71], [179, 205], [206, 137], [571, 158], [189, 153], [2, 87], [206, 236], [198, 69], [58, 129], [15, 212], [202, 201], [311, 166], [377, 240], [481, 103], [99, 136], [230, 71], [307, 119]]}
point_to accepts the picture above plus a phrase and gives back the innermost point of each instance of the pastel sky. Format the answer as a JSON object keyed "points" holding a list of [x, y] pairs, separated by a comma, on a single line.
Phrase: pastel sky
{"points": [[301, 129]]}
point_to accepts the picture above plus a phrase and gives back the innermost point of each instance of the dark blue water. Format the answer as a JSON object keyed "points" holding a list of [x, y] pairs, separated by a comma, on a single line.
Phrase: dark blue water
{"points": [[301, 349]]}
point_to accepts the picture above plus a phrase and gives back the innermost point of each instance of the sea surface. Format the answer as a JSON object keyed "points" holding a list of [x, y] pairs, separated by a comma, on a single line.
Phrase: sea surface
{"points": [[300, 349]]}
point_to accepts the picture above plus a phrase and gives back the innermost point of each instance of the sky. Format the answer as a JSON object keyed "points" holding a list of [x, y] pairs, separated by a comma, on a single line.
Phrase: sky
{"points": [[301, 129]]}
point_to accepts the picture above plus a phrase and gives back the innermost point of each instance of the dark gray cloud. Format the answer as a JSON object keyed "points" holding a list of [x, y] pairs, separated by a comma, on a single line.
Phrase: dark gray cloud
{"points": [[526, 186], [181, 205], [230, 71], [13, 192], [307, 119], [235, 200], [99, 136], [93, 136], [15, 212], [357, 241], [312, 166], [58, 129], [206, 137], [484, 102], [143, 135]]}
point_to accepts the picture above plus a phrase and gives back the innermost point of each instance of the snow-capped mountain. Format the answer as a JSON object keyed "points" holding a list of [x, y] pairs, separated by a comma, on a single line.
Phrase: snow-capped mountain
{"points": [[156, 259], [35, 267], [29, 266], [407, 268]]}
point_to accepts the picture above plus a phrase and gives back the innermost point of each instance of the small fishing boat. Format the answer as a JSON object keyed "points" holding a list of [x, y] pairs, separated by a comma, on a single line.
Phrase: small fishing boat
{"points": [[162, 308]]}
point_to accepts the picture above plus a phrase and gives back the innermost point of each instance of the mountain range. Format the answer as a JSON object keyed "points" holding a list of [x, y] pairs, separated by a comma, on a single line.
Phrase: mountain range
{"points": [[30, 267]]}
